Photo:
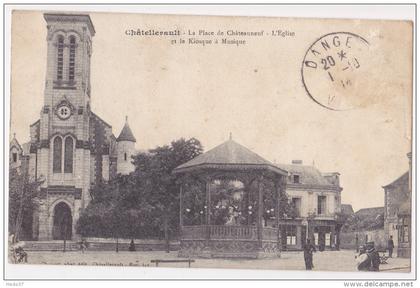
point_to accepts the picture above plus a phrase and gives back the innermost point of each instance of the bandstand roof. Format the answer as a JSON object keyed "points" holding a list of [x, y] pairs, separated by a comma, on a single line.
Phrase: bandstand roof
{"points": [[229, 155]]}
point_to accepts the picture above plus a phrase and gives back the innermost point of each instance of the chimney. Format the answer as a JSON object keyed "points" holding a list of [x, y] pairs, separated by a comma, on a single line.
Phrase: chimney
{"points": [[297, 162]]}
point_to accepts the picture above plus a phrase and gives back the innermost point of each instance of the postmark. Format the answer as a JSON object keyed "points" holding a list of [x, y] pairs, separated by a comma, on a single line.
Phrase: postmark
{"points": [[334, 69]]}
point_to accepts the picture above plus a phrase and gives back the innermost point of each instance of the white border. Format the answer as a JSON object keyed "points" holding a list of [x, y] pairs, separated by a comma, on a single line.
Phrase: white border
{"points": [[312, 11]]}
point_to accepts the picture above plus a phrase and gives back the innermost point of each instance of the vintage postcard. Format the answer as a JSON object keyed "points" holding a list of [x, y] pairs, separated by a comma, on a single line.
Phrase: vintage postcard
{"points": [[210, 142]]}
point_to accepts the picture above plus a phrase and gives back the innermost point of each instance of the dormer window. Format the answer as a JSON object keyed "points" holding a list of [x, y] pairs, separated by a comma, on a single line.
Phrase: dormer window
{"points": [[296, 179]]}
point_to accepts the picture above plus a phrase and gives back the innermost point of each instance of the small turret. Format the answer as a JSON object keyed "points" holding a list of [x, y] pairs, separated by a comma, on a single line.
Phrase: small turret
{"points": [[15, 153], [125, 150]]}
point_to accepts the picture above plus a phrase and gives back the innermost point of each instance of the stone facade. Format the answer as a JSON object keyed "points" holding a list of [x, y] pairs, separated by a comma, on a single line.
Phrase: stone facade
{"points": [[396, 193], [398, 212], [316, 197], [71, 148]]}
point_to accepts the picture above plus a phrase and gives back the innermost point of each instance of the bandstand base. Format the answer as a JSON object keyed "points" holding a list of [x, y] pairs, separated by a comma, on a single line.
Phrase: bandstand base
{"points": [[228, 249]]}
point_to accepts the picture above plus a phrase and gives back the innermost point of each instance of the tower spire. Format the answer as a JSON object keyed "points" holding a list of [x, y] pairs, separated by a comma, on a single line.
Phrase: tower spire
{"points": [[126, 134]]}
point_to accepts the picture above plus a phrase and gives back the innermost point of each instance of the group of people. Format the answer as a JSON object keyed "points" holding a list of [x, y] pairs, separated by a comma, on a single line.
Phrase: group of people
{"points": [[368, 258]]}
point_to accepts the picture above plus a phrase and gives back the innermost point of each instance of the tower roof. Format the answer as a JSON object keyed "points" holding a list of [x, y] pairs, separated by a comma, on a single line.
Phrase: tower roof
{"points": [[15, 142], [71, 18], [126, 134]]}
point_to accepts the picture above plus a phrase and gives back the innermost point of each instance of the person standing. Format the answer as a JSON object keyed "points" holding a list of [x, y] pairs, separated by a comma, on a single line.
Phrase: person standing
{"points": [[390, 246], [83, 245], [132, 247], [308, 250], [373, 255]]}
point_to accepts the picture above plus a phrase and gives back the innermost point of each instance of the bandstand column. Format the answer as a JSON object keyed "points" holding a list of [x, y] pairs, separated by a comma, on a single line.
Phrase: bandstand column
{"points": [[247, 190], [181, 209], [208, 202], [260, 212], [277, 199]]}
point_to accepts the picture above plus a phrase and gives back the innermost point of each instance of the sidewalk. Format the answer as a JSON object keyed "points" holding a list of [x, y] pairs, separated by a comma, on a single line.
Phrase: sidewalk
{"points": [[324, 261]]}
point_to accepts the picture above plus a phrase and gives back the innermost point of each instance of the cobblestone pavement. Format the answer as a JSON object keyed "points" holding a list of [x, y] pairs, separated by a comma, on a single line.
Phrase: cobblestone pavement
{"points": [[324, 261]]}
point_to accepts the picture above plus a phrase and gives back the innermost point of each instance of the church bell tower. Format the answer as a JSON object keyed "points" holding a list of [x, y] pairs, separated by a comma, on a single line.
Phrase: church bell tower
{"points": [[63, 153]]}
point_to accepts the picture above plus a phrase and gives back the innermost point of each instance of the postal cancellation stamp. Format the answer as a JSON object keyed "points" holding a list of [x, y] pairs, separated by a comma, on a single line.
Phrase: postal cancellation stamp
{"points": [[331, 69]]}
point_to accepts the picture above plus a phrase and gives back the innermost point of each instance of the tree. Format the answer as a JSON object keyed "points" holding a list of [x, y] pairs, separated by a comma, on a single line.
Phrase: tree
{"points": [[110, 214], [23, 196], [145, 202], [153, 174]]}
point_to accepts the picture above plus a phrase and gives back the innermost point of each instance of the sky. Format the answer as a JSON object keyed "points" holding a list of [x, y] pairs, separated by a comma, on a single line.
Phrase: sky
{"points": [[253, 91]]}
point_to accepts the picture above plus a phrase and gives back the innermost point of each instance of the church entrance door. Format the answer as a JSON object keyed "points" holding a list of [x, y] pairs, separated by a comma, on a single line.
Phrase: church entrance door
{"points": [[62, 228]]}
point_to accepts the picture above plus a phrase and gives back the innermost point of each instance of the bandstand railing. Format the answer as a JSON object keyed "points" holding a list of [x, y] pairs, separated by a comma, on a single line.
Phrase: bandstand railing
{"points": [[233, 232], [227, 232]]}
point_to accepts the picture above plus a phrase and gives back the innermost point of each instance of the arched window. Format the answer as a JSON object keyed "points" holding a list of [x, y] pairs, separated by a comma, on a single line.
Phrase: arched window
{"points": [[72, 57], [57, 151], [68, 155], [60, 51], [125, 156]]}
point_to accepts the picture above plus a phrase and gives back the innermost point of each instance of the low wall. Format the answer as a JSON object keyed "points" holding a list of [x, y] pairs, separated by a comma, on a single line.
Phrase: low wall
{"points": [[108, 244], [348, 239], [102, 244]]}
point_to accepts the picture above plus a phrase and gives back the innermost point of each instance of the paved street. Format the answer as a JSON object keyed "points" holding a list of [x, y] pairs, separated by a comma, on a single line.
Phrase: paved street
{"points": [[326, 261]]}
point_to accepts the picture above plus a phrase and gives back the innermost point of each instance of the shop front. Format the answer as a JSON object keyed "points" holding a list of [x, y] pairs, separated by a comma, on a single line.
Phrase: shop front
{"points": [[324, 234]]}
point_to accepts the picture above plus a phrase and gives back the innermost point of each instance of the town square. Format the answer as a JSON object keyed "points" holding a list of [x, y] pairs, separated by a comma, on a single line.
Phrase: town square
{"points": [[241, 167]]}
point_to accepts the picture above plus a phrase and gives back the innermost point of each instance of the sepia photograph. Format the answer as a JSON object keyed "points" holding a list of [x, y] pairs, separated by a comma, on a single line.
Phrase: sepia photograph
{"points": [[202, 141]]}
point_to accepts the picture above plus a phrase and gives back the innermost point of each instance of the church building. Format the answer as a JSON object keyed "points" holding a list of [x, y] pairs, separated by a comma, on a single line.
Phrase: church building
{"points": [[71, 148]]}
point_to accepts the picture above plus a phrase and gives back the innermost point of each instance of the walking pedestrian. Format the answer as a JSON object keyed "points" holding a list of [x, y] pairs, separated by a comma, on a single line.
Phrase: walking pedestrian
{"points": [[308, 250], [390, 246]]}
